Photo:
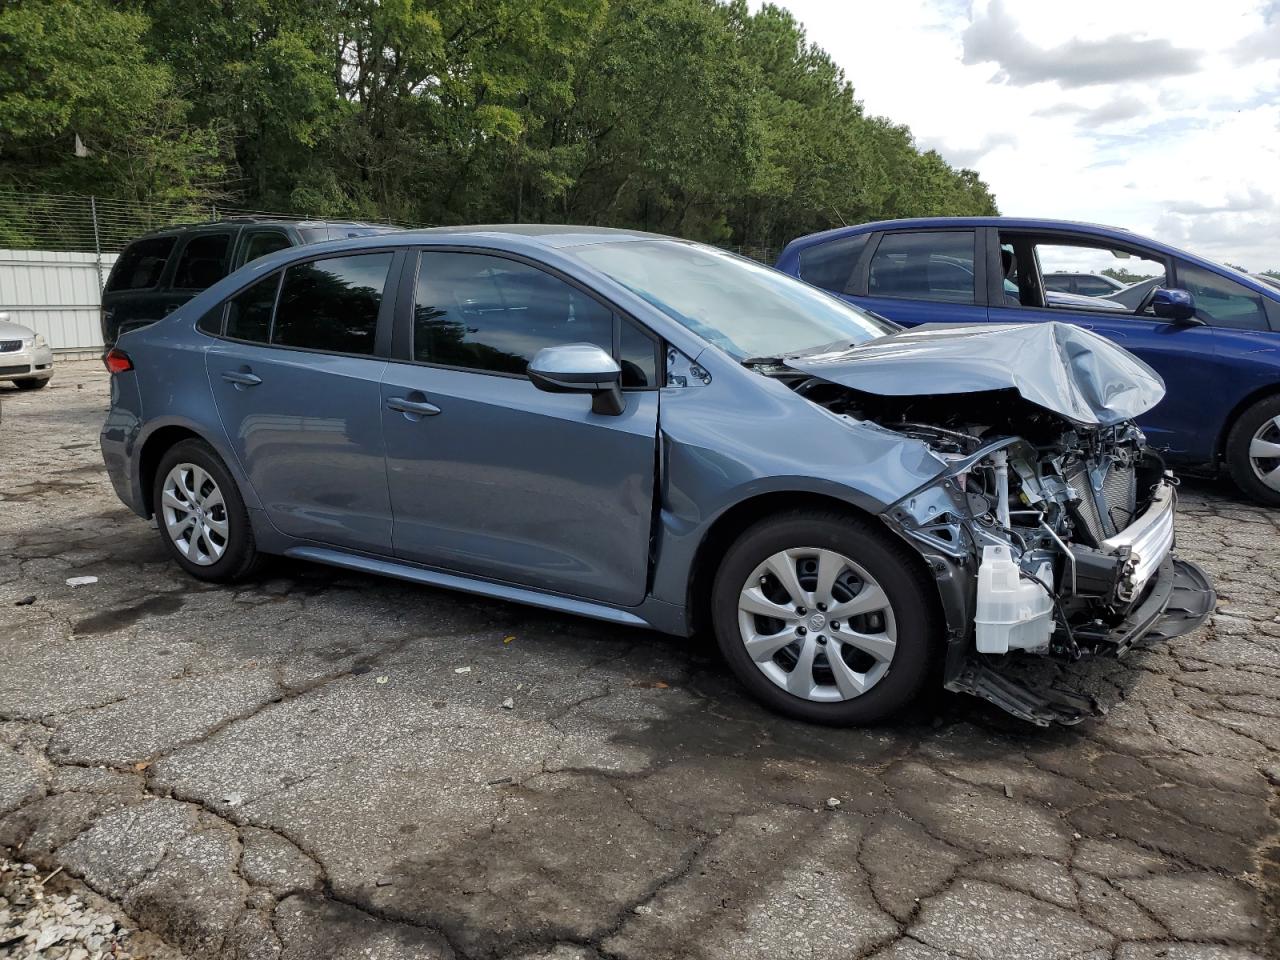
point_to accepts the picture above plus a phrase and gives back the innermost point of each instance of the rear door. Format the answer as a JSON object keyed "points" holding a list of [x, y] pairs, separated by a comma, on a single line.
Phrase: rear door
{"points": [[295, 372], [924, 276], [491, 476], [203, 258]]}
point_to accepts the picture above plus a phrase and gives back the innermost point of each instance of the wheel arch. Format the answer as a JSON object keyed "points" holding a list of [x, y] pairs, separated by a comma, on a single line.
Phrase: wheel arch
{"points": [[1261, 393], [730, 524], [163, 437]]}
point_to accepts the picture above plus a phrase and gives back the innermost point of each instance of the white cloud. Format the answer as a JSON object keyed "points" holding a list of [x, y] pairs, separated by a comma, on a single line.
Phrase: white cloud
{"points": [[1162, 117], [995, 36]]}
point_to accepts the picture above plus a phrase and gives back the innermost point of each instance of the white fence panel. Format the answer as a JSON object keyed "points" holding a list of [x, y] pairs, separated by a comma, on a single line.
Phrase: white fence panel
{"points": [[57, 294]]}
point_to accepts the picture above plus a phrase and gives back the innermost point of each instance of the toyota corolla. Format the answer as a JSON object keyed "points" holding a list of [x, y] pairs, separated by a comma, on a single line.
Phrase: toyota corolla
{"points": [[660, 434]]}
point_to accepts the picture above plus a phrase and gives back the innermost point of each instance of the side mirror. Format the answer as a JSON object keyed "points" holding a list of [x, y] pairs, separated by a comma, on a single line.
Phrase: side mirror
{"points": [[580, 368], [1176, 305]]}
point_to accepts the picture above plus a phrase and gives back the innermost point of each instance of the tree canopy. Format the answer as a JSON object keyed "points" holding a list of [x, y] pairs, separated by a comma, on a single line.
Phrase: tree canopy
{"points": [[691, 117]]}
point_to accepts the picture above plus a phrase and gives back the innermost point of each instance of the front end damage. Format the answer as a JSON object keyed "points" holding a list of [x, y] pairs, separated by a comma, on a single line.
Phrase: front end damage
{"points": [[1050, 533]]}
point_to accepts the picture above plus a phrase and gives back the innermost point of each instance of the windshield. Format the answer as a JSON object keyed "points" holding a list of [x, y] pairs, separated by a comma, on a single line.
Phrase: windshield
{"points": [[743, 307]]}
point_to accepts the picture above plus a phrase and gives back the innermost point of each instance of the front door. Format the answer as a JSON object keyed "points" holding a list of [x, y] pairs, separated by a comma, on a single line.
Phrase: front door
{"points": [[1182, 355], [492, 477], [297, 386]]}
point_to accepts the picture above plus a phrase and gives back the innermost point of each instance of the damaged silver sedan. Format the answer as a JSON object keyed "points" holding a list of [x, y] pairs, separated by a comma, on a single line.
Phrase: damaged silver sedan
{"points": [[659, 434]]}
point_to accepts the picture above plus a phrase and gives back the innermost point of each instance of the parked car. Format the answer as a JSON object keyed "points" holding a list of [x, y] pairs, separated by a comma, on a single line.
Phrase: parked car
{"points": [[25, 358], [159, 271], [661, 434], [1212, 333], [1084, 284], [1269, 279]]}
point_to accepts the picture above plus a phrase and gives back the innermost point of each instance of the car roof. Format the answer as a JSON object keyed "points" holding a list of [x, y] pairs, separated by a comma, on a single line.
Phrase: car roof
{"points": [[1099, 231], [180, 228], [538, 234]]}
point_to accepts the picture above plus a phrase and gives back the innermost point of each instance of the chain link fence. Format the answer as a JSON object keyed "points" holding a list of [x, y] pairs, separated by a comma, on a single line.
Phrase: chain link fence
{"points": [[65, 223]]}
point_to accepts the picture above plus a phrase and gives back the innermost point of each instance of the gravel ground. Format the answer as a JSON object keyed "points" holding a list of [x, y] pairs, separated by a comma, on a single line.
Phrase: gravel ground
{"points": [[50, 918], [322, 765]]}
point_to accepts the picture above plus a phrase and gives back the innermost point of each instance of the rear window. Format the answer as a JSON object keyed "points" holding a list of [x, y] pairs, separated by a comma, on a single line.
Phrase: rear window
{"points": [[203, 262], [141, 264]]}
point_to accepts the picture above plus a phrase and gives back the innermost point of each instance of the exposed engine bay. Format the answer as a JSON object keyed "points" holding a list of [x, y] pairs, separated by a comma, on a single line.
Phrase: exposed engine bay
{"points": [[1048, 536]]}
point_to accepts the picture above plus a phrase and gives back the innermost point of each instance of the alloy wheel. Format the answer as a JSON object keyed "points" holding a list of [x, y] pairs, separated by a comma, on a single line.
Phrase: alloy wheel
{"points": [[1264, 453], [817, 624], [195, 514]]}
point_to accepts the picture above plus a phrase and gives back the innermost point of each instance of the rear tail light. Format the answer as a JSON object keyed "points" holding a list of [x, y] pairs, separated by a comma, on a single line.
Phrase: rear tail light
{"points": [[117, 360]]}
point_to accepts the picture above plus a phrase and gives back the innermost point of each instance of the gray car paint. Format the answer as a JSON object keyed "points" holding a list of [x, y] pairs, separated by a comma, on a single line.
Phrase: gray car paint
{"points": [[717, 440], [1060, 367]]}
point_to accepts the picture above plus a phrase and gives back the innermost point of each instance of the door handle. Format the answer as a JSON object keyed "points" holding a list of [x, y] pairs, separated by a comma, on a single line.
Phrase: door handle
{"points": [[241, 378], [419, 408]]}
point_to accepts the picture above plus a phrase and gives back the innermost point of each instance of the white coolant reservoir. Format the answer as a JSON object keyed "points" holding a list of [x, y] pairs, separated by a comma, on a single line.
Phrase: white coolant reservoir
{"points": [[1013, 613]]}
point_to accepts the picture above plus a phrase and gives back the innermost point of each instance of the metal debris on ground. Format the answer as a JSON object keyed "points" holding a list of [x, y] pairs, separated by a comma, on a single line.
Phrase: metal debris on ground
{"points": [[461, 669], [81, 581]]}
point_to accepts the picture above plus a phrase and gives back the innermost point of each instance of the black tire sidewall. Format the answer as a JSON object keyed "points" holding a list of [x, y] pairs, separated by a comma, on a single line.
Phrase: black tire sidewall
{"points": [[241, 554], [1237, 451], [914, 608]]}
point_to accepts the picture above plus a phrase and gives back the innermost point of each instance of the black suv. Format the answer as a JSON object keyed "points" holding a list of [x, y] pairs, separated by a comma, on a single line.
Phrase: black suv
{"points": [[162, 270]]}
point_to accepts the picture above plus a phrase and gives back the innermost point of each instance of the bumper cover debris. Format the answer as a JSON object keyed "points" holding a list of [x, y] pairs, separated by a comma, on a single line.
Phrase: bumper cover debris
{"points": [[1181, 598]]}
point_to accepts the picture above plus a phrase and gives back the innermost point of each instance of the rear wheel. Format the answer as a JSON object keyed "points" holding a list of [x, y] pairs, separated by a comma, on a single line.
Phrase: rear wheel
{"points": [[1253, 451], [825, 619], [202, 519]]}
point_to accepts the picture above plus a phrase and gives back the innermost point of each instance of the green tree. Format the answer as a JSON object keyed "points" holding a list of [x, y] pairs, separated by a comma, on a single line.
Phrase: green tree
{"points": [[76, 70], [694, 117]]}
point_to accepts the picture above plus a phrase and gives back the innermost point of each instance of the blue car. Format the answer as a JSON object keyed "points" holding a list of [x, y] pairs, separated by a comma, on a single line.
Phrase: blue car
{"points": [[1211, 332], [660, 434]]}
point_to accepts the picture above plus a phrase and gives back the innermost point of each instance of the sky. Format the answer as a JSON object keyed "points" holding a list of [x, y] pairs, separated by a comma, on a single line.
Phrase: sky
{"points": [[1160, 117]]}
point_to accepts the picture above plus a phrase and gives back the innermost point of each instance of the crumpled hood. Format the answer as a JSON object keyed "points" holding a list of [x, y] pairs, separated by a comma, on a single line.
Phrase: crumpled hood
{"points": [[1075, 373]]}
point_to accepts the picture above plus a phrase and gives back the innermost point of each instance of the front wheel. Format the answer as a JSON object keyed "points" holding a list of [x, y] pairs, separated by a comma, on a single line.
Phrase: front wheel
{"points": [[32, 384], [1253, 451], [202, 519], [825, 619]]}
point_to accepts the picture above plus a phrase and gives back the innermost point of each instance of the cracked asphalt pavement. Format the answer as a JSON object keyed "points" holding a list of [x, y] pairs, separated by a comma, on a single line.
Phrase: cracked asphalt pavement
{"points": [[319, 765]]}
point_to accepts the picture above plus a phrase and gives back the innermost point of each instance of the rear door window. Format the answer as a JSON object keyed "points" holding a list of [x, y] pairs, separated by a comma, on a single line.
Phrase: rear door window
{"points": [[924, 266], [332, 304], [1221, 302], [259, 243], [141, 264], [203, 262], [830, 265]]}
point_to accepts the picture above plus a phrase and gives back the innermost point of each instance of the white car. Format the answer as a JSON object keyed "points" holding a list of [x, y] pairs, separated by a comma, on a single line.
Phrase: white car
{"points": [[25, 358]]}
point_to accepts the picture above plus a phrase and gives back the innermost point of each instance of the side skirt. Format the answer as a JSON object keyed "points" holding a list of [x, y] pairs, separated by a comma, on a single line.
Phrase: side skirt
{"points": [[453, 581]]}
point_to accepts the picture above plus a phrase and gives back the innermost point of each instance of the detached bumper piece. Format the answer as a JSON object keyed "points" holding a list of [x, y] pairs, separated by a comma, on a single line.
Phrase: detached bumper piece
{"points": [[1031, 688]]}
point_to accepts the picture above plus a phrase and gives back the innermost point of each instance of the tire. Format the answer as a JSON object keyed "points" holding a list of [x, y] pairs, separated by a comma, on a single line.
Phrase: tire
{"points": [[32, 384], [892, 676], [1256, 431], [214, 541]]}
